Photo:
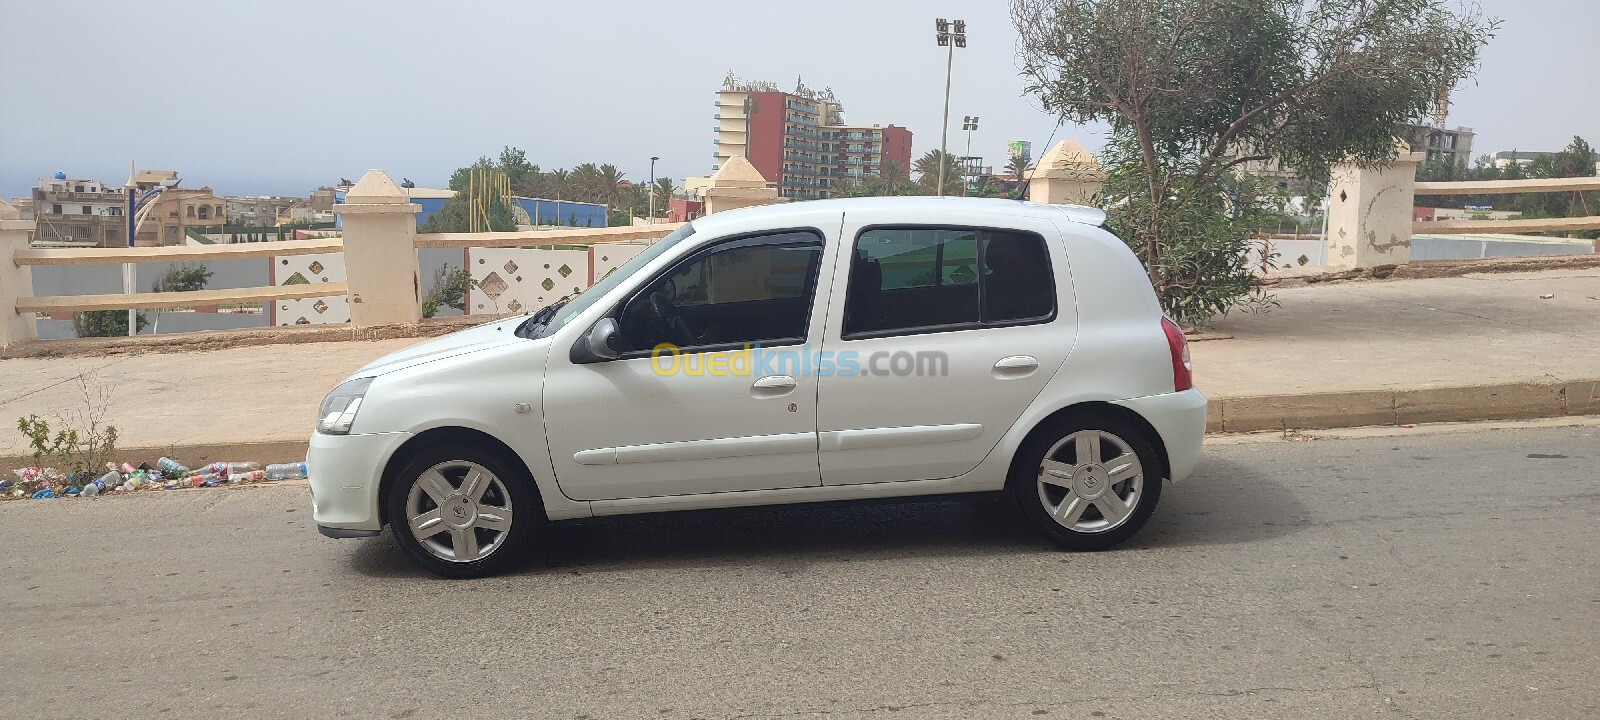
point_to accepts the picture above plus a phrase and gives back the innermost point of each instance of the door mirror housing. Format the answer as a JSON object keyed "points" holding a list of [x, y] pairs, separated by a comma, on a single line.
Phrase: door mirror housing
{"points": [[599, 344]]}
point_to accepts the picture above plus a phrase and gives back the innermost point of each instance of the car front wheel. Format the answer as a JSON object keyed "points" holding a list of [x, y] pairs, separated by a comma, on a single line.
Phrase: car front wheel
{"points": [[1087, 483], [461, 512]]}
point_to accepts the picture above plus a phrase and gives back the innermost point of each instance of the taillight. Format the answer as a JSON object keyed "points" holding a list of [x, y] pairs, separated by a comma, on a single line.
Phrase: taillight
{"points": [[1182, 370]]}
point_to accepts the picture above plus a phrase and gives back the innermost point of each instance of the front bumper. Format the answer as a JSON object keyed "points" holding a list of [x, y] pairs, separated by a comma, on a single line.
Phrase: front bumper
{"points": [[1180, 419], [345, 472]]}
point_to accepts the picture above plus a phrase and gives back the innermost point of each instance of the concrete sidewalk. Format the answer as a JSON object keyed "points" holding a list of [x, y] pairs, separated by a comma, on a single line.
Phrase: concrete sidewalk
{"points": [[1476, 347], [1364, 353]]}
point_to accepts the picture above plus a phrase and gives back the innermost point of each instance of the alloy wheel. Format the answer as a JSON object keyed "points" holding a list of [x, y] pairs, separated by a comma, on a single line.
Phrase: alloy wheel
{"points": [[1091, 481], [459, 511]]}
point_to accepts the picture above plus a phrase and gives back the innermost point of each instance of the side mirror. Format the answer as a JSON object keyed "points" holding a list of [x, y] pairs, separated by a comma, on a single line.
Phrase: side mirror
{"points": [[599, 344]]}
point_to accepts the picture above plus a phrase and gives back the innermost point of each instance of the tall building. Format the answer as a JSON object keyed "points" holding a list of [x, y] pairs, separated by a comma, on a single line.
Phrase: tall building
{"points": [[799, 140]]}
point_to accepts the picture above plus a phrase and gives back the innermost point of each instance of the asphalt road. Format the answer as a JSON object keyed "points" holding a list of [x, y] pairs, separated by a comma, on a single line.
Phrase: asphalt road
{"points": [[1447, 576]]}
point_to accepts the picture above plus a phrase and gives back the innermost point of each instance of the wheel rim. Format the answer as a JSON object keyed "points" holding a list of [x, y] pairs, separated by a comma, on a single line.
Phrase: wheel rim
{"points": [[1091, 481], [459, 511]]}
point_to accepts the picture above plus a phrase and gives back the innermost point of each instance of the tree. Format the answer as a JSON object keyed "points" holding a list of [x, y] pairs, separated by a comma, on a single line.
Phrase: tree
{"points": [[1018, 168], [105, 323], [664, 190], [450, 285], [181, 277], [927, 169], [1197, 90]]}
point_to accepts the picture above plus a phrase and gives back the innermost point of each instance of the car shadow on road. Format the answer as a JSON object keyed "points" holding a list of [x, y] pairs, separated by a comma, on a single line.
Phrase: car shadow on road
{"points": [[1224, 503]]}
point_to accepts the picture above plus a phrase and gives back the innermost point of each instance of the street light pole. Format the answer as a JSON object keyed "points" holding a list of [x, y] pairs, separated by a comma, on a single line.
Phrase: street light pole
{"points": [[138, 206], [653, 160], [968, 123], [951, 34]]}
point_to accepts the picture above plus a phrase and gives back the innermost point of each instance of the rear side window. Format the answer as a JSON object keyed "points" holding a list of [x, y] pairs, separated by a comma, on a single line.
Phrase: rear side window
{"points": [[926, 279]]}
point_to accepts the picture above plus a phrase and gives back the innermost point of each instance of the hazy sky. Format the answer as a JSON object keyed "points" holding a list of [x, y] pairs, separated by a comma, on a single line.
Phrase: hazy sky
{"points": [[278, 97]]}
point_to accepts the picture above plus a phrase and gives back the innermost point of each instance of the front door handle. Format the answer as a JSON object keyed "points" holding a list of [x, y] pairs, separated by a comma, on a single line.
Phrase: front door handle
{"points": [[773, 386], [1015, 366]]}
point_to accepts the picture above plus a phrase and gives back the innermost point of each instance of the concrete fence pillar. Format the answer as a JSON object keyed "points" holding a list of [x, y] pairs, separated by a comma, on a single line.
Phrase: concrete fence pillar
{"points": [[16, 281], [1369, 212], [738, 184], [1067, 174], [380, 255]]}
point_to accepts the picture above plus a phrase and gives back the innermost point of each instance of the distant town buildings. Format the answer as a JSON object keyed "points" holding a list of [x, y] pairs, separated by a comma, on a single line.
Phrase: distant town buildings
{"points": [[1507, 158], [77, 211], [176, 210], [799, 140], [260, 210]]}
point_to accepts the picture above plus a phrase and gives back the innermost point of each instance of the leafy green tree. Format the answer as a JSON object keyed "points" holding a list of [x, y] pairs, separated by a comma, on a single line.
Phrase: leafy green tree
{"points": [[1193, 90], [182, 277], [450, 286], [105, 323]]}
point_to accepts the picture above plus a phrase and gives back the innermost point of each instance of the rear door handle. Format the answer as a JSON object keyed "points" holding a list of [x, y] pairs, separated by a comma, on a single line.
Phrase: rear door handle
{"points": [[773, 386], [1015, 366]]}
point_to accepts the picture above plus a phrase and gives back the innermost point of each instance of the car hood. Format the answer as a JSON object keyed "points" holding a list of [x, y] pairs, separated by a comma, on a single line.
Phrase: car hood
{"points": [[482, 337]]}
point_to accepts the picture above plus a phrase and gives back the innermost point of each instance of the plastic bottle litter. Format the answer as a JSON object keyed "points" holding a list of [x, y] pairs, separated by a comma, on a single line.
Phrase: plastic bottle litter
{"points": [[252, 476], [92, 489], [286, 471], [171, 467], [227, 468]]}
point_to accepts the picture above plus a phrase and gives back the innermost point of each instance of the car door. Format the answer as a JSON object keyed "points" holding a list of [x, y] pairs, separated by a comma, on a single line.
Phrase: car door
{"points": [[688, 407], [945, 331]]}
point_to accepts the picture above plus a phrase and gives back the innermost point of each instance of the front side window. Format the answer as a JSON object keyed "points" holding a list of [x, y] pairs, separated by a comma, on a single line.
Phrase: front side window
{"points": [[747, 291], [928, 279]]}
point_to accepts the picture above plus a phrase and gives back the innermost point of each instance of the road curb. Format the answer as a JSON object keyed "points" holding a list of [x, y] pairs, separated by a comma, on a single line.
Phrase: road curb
{"points": [[1304, 411], [1401, 406]]}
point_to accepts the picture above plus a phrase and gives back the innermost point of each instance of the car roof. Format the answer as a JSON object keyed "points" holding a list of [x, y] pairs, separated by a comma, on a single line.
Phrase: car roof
{"points": [[978, 206]]}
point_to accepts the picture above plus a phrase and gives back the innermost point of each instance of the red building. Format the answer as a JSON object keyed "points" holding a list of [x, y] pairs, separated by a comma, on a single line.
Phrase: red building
{"points": [[800, 140]]}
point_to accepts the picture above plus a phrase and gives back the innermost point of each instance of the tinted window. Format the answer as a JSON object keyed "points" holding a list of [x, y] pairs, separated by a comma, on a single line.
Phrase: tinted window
{"points": [[940, 278], [748, 291]]}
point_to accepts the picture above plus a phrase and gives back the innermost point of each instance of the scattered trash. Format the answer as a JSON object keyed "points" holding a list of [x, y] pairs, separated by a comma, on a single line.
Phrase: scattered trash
{"points": [[1408, 425], [168, 474], [286, 471], [1547, 296]]}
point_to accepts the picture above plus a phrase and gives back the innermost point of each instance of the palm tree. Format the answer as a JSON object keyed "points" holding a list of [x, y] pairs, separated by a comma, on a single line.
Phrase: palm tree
{"points": [[1018, 168], [664, 190], [587, 184], [611, 182], [927, 169], [893, 180]]}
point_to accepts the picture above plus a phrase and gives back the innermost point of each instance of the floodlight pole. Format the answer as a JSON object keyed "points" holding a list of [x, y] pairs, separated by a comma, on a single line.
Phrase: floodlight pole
{"points": [[944, 127], [950, 34]]}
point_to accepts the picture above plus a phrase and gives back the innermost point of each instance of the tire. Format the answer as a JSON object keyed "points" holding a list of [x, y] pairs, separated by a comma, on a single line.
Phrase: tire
{"points": [[483, 516], [1091, 505]]}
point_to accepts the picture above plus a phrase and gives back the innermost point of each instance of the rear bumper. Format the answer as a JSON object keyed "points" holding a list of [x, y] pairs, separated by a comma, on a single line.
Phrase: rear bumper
{"points": [[1180, 419], [345, 472]]}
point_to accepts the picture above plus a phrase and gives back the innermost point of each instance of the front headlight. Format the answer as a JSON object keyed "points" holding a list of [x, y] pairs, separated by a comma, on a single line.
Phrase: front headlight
{"points": [[339, 408]]}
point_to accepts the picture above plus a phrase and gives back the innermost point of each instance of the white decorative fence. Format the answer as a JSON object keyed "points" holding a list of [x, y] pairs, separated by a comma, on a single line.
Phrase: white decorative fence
{"points": [[312, 270]]}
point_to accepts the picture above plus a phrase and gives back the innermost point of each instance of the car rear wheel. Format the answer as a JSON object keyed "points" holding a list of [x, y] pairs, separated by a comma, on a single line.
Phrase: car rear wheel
{"points": [[1087, 483], [461, 512]]}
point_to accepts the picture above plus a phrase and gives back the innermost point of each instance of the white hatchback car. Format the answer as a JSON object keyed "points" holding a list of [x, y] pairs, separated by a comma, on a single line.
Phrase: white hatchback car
{"points": [[815, 351]]}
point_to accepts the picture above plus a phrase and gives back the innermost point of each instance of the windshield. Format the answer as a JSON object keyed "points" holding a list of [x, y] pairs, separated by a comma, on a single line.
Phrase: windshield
{"points": [[583, 300]]}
